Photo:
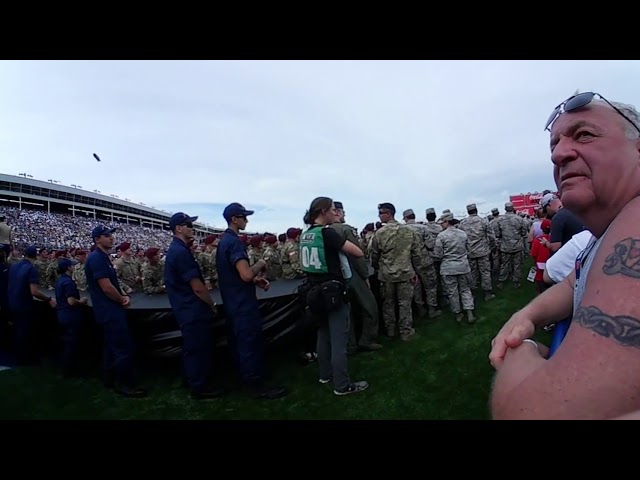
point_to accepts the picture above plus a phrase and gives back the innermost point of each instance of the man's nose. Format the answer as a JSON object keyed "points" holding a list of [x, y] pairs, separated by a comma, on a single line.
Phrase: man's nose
{"points": [[563, 152]]}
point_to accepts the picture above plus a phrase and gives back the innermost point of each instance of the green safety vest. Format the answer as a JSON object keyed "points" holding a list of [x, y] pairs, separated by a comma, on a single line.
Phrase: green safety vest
{"points": [[312, 254]]}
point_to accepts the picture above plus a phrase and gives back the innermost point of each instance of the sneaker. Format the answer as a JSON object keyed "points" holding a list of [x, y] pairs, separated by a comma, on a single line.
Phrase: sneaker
{"points": [[354, 387]]}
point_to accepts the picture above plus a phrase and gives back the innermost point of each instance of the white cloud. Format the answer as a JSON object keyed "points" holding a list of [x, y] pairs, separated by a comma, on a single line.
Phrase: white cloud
{"points": [[276, 134]]}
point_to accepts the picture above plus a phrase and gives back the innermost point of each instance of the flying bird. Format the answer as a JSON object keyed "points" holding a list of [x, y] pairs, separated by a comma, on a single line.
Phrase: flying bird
{"points": [[96, 157]]}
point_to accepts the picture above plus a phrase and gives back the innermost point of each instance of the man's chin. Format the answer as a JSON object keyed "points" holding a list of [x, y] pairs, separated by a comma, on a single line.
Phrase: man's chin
{"points": [[576, 199]]}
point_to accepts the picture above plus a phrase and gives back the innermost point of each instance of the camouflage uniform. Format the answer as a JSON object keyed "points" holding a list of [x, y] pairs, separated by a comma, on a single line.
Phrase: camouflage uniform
{"points": [[42, 265], [426, 271], [434, 229], [153, 278], [495, 253], [395, 254], [272, 256], [481, 242], [207, 262], [291, 260], [255, 254], [52, 274], [128, 271], [79, 276], [452, 248], [511, 229]]}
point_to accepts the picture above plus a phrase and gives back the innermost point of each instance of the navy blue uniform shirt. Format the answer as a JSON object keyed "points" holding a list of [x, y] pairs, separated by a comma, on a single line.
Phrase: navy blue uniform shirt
{"points": [[180, 267], [65, 288], [4, 285], [21, 276], [97, 266], [238, 296]]}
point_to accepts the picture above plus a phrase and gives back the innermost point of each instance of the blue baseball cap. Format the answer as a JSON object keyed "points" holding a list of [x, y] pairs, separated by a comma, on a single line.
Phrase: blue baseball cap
{"points": [[235, 210], [65, 263], [180, 218], [31, 251], [101, 230]]}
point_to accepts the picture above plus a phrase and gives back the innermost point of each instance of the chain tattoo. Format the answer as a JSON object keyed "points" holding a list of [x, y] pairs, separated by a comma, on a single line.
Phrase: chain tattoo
{"points": [[623, 329], [625, 259]]}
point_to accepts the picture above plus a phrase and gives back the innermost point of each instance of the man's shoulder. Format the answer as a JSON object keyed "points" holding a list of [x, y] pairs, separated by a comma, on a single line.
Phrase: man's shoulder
{"points": [[458, 232]]}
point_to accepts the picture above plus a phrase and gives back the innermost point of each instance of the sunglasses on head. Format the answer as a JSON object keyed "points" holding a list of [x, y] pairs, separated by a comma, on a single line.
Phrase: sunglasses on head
{"points": [[579, 101]]}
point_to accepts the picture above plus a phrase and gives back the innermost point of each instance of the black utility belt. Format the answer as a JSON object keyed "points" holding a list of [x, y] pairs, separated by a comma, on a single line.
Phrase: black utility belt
{"points": [[326, 297]]}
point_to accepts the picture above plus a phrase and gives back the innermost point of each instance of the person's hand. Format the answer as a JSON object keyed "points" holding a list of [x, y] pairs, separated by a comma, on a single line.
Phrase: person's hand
{"points": [[511, 335], [263, 283], [84, 300], [52, 302], [126, 301], [261, 264]]}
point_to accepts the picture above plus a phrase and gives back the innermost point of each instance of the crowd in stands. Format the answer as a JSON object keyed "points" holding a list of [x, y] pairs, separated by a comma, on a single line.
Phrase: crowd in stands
{"points": [[57, 231]]}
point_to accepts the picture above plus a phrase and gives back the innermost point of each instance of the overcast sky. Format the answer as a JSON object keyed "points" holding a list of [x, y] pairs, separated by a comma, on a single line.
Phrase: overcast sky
{"points": [[196, 135]]}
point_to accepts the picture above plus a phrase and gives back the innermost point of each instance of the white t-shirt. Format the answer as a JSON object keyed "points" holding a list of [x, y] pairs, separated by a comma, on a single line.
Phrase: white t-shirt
{"points": [[562, 263]]}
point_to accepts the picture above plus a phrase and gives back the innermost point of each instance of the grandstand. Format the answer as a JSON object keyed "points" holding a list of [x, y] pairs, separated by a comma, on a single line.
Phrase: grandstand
{"points": [[24, 192]]}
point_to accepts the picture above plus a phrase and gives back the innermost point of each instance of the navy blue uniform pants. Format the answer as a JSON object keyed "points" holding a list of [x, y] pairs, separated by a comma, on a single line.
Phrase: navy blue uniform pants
{"points": [[197, 352], [247, 345], [24, 323], [118, 347], [71, 323]]}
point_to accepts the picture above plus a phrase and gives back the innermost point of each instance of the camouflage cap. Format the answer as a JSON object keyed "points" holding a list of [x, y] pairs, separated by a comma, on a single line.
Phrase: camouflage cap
{"points": [[471, 206], [445, 211], [508, 205], [495, 211], [430, 210], [407, 212], [447, 217]]}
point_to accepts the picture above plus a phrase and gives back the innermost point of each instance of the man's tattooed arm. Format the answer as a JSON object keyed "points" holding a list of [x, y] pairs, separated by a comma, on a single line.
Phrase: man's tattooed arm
{"points": [[625, 259], [623, 329]]}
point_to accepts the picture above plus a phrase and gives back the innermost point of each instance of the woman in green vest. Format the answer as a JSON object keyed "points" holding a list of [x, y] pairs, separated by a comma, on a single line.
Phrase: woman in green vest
{"points": [[323, 260]]}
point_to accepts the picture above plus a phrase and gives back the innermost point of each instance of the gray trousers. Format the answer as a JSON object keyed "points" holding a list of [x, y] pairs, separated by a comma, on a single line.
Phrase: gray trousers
{"points": [[333, 336]]}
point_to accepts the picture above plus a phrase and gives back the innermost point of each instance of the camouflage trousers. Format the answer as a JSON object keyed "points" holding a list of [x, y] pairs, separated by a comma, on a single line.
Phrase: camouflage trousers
{"points": [[442, 296], [457, 287], [427, 280], [481, 272], [511, 265], [495, 264], [401, 294]]}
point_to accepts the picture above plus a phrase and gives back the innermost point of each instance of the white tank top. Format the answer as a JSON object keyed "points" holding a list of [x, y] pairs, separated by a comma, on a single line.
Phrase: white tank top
{"points": [[583, 265], [537, 231]]}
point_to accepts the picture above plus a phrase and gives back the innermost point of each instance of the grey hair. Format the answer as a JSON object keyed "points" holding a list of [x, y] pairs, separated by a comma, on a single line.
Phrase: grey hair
{"points": [[631, 113]]}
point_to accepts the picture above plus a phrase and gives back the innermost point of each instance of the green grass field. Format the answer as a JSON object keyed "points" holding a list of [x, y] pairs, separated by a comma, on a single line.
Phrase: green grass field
{"points": [[442, 374]]}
